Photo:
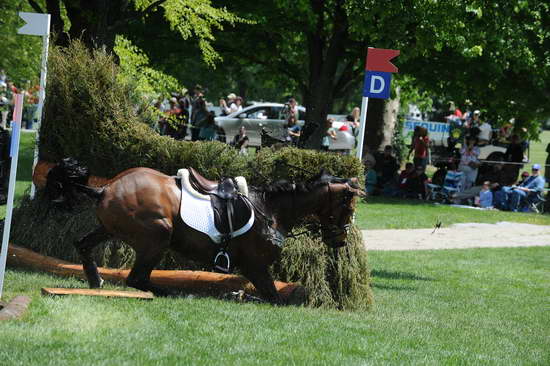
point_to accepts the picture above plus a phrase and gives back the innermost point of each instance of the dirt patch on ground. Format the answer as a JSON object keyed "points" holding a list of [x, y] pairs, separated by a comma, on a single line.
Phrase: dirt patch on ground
{"points": [[502, 234]]}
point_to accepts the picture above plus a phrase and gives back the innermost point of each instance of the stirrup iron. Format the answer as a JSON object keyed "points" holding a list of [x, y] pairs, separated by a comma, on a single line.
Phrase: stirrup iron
{"points": [[222, 262]]}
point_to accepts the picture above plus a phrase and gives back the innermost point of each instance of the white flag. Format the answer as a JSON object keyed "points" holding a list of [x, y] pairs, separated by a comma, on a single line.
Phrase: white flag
{"points": [[37, 24]]}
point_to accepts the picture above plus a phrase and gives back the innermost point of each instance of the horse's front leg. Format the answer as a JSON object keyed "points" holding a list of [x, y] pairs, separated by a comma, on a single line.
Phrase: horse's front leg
{"points": [[262, 280], [149, 252], [84, 247]]}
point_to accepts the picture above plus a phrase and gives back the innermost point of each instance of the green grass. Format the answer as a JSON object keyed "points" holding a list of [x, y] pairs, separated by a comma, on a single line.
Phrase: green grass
{"points": [[478, 306], [24, 168], [392, 213]]}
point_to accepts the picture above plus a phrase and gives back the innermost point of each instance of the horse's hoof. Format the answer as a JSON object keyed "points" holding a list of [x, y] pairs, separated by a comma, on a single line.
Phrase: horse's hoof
{"points": [[96, 283]]}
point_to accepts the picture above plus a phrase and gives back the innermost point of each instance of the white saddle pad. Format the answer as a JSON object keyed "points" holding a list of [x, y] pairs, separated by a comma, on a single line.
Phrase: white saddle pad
{"points": [[196, 211]]}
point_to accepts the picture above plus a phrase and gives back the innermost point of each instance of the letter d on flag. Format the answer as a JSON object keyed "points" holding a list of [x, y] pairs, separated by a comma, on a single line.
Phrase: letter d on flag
{"points": [[377, 85]]}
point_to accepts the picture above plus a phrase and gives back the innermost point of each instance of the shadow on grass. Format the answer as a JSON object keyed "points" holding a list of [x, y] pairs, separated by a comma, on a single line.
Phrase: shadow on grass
{"points": [[399, 275], [390, 287]]}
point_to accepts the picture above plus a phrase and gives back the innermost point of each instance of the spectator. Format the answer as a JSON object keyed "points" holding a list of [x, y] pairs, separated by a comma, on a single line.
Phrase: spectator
{"points": [[415, 186], [368, 157], [420, 146], [240, 141], [514, 154], [469, 161], [291, 109], [174, 122], [208, 128], [386, 167], [439, 176], [485, 133], [526, 193], [370, 178], [454, 178], [330, 134], [404, 177], [233, 104], [485, 198], [294, 131], [199, 112], [523, 177]]}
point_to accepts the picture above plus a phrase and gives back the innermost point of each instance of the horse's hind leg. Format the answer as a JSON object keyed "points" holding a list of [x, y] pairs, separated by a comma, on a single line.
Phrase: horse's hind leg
{"points": [[84, 247]]}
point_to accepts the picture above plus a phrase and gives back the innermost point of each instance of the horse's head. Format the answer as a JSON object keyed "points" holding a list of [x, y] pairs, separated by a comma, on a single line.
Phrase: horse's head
{"points": [[337, 205]]}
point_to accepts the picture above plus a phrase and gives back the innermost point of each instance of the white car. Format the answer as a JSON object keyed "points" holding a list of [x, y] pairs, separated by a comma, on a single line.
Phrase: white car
{"points": [[271, 117]]}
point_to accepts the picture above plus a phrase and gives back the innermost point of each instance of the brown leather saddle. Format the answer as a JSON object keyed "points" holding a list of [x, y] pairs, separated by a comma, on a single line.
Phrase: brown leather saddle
{"points": [[231, 210]]}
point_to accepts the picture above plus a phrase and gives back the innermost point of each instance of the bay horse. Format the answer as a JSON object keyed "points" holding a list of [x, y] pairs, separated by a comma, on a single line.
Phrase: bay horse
{"points": [[141, 206]]}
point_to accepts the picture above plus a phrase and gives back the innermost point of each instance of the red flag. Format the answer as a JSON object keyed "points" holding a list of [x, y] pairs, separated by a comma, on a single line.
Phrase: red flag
{"points": [[378, 59]]}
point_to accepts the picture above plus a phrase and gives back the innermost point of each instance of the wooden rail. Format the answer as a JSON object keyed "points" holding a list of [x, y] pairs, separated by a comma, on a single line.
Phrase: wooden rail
{"points": [[193, 281]]}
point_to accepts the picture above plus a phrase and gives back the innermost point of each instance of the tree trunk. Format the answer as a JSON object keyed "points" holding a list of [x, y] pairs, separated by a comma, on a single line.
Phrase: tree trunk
{"points": [[374, 127], [391, 111], [381, 122]]}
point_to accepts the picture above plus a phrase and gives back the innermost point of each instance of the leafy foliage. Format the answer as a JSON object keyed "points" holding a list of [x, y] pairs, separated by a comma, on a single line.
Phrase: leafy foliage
{"points": [[135, 70], [20, 53], [196, 18]]}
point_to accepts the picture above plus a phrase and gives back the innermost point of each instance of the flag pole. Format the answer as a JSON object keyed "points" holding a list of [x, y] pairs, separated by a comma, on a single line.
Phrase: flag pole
{"points": [[14, 154], [362, 123]]}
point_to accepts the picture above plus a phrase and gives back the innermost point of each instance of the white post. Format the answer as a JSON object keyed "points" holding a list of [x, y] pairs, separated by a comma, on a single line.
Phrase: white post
{"points": [[363, 122], [42, 95], [14, 153]]}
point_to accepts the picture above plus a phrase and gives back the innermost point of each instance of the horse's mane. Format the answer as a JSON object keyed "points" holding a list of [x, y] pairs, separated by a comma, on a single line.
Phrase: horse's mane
{"points": [[285, 186]]}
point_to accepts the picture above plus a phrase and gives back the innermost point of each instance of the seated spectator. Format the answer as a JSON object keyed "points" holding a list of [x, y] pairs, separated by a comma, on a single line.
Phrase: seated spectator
{"points": [[454, 179], [370, 178], [368, 157], [485, 197], [386, 167], [404, 176], [528, 192], [415, 187], [439, 176], [522, 178]]}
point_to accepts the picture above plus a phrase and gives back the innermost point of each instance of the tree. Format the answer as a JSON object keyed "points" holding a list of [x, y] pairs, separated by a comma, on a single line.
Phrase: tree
{"points": [[20, 53], [321, 46], [98, 22]]}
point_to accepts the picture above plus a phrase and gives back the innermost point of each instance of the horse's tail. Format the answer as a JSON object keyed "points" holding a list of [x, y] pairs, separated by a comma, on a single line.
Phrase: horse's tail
{"points": [[67, 177]]}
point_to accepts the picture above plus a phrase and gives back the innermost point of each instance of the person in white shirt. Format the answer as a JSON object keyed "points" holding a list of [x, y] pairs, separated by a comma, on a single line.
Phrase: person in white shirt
{"points": [[485, 133], [233, 104]]}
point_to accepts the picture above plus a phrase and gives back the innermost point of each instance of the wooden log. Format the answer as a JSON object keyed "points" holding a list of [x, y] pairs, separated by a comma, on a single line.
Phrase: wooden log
{"points": [[15, 308], [97, 292], [198, 281]]}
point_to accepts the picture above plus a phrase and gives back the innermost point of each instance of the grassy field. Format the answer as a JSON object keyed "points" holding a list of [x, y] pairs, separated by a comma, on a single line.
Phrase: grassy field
{"points": [[391, 213], [478, 306]]}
